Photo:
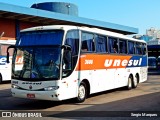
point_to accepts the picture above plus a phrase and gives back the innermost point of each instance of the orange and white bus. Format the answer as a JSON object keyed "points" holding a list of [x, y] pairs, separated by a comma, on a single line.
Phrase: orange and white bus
{"points": [[62, 62]]}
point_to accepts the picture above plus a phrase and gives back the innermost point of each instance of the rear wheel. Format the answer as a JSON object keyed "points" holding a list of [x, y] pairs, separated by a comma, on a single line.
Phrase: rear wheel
{"points": [[82, 92], [130, 79], [135, 81]]}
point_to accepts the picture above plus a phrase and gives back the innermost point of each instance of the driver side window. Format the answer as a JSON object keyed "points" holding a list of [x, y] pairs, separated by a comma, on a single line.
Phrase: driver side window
{"points": [[70, 57]]}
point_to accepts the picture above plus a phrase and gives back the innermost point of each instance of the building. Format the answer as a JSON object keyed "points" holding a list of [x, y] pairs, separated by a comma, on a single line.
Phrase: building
{"points": [[155, 33], [154, 42], [152, 38], [15, 18]]}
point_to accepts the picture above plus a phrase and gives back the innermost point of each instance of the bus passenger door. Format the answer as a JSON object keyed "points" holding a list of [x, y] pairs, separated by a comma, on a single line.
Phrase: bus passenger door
{"points": [[69, 61], [69, 76], [69, 85]]}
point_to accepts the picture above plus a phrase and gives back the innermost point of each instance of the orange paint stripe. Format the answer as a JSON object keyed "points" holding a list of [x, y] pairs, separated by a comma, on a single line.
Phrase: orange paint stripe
{"points": [[96, 61]]}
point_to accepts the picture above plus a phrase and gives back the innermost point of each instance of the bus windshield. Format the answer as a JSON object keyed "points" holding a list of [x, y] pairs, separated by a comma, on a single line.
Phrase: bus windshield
{"points": [[38, 63], [37, 55]]}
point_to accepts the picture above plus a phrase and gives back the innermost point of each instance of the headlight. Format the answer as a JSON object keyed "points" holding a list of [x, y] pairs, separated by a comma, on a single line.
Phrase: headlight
{"points": [[51, 88], [14, 86]]}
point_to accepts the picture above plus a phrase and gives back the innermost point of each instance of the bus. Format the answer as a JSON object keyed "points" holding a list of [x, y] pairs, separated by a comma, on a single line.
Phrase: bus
{"points": [[5, 68], [62, 62]]}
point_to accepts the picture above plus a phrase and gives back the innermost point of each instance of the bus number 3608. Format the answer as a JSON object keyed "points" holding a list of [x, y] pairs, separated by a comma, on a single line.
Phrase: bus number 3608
{"points": [[88, 61]]}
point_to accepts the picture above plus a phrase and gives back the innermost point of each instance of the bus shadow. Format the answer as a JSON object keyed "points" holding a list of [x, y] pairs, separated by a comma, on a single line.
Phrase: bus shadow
{"points": [[7, 102], [119, 108], [41, 104]]}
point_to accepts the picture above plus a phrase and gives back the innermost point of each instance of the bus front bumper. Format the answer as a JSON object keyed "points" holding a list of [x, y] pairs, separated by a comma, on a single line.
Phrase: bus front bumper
{"points": [[39, 95]]}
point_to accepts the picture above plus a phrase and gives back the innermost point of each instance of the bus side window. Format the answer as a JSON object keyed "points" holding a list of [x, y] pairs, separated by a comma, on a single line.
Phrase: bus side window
{"points": [[131, 48], [84, 46], [123, 46], [72, 39], [113, 45], [138, 48], [87, 42], [101, 44]]}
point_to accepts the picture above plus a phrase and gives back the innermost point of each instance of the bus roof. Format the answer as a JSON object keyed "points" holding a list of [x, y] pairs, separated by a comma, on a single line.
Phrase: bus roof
{"points": [[8, 42], [88, 29]]}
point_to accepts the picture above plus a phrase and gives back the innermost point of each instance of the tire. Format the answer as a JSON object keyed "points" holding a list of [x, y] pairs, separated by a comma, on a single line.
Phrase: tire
{"points": [[82, 93], [0, 78], [135, 81], [130, 82]]}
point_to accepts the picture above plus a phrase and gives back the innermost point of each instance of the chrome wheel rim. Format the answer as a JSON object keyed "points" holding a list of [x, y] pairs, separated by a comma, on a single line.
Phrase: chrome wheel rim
{"points": [[81, 92]]}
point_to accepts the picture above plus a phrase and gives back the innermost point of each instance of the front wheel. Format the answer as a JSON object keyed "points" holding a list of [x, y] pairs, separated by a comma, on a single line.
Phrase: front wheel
{"points": [[82, 93]]}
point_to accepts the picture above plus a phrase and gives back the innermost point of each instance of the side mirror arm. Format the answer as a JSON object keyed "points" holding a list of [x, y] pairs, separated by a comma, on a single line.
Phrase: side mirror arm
{"points": [[66, 47]]}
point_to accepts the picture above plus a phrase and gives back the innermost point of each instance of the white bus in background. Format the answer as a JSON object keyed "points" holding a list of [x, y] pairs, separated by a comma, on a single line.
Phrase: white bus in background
{"points": [[62, 62], [5, 68]]}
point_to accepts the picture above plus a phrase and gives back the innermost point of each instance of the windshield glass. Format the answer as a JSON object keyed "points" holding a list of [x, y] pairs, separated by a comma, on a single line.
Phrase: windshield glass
{"points": [[37, 62], [41, 38]]}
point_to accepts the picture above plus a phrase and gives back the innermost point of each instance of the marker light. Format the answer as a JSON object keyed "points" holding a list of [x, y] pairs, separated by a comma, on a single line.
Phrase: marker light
{"points": [[14, 86]]}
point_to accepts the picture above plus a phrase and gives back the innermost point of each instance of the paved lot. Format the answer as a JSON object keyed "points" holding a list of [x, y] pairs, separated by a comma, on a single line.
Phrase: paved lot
{"points": [[144, 99]]}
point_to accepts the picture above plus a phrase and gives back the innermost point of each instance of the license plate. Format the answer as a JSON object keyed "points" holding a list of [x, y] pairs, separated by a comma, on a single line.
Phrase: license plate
{"points": [[30, 95]]}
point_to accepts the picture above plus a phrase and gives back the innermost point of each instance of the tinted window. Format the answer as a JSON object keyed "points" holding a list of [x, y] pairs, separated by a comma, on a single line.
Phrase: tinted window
{"points": [[131, 49], [123, 46], [72, 39], [87, 42], [101, 43], [113, 45], [138, 48], [54, 37]]}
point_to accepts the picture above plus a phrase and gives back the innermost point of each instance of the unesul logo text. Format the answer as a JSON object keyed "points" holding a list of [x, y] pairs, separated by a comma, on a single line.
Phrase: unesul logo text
{"points": [[119, 62]]}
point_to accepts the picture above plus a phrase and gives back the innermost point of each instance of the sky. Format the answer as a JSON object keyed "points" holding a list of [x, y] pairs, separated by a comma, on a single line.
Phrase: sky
{"points": [[141, 14]]}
